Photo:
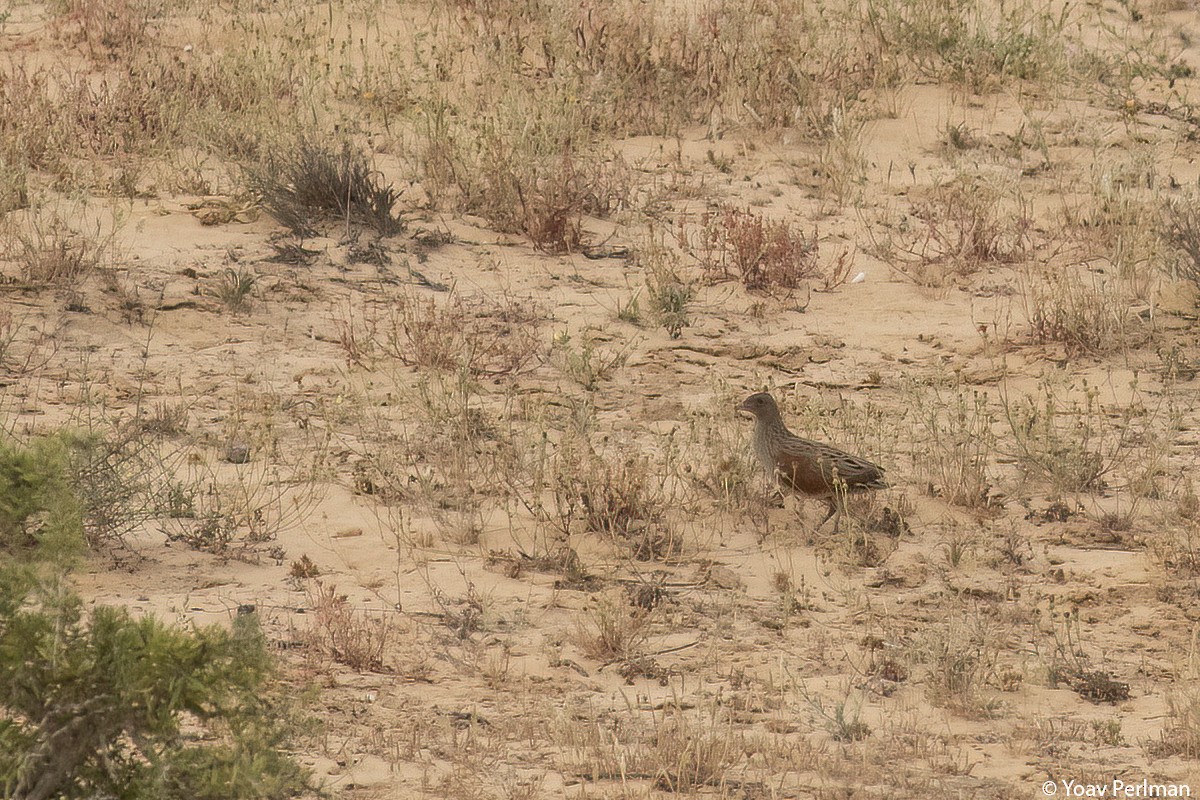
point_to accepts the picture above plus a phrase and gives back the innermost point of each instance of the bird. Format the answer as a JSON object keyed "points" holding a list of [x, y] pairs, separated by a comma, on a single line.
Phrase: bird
{"points": [[806, 467]]}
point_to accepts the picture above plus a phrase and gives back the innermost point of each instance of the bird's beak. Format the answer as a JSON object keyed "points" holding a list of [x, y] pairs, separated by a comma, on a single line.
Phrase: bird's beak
{"points": [[743, 407]]}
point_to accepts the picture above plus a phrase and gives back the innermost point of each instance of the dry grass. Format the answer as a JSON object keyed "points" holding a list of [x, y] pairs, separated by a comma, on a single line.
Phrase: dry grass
{"points": [[960, 659], [234, 289], [304, 182], [480, 335], [348, 635], [668, 292], [955, 444], [615, 630], [972, 44], [521, 163], [1068, 437], [1085, 313], [620, 495], [50, 251], [1180, 226], [958, 228]]}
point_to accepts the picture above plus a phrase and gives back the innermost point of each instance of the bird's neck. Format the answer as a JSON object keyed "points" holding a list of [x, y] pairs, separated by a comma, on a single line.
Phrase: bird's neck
{"points": [[773, 423]]}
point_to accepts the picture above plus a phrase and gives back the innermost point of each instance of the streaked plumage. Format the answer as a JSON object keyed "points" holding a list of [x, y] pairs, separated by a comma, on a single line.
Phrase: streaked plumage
{"points": [[806, 467]]}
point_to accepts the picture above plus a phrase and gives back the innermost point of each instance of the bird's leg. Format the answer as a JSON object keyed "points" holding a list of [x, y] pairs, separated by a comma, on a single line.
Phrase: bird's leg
{"points": [[772, 493], [837, 503], [833, 509]]}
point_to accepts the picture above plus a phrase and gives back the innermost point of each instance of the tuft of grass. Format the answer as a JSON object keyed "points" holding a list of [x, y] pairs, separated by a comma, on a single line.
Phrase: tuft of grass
{"points": [[1181, 732], [667, 293], [307, 182], [615, 630], [52, 252], [108, 29], [964, 226], [956, 442], [234, 288], [587, 363], [521, 162], [1070, 442], [970, 43], [620, 498], [14, 183], [960, 659], [1180, 227]]}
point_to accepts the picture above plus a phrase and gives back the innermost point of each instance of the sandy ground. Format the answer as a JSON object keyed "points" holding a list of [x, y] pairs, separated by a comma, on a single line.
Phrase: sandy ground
{"points": [[762, 636]]}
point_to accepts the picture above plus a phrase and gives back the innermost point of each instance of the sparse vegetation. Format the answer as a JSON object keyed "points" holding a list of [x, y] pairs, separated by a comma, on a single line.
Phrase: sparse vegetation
{"points": [[956, 443], [52, 252], [482, 335], [1068, 440], [345, 634], [473, 467]]}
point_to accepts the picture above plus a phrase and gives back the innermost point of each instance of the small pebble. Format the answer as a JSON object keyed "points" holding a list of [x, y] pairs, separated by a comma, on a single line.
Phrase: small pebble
{"points": [[237, 453]]}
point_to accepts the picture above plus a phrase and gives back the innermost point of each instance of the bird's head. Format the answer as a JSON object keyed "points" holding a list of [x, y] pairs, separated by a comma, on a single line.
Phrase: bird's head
{"points": [[761, 405]]}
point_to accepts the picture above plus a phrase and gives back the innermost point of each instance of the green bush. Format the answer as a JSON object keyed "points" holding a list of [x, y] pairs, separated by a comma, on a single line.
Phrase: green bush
{"points": [[108, 705], [41, 517], [134, 708]]}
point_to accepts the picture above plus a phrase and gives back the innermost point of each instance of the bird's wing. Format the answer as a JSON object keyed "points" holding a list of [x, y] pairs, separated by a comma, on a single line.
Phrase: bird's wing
{"points": [[816, 468]]}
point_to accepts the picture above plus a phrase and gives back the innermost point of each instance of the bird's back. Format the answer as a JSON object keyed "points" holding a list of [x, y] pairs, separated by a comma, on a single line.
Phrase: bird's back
{"points": [[817, 469]]}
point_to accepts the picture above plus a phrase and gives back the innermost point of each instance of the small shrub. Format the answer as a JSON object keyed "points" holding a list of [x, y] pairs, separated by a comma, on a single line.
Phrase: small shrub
{"points": [[717, 460], [969, 44], [960, 227], [588, 364], [212, 505], [303, 183], [967, 224], [52, 252], [843, 720], [1071, 443], [959, 660], [1180, 227], [1070, 665], [764, 255], [519, 161], [621, 499], [113, 471], [14, 184], [1181, 733], [616, 631], [955, 442], [347, 635], [668, 294]]}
